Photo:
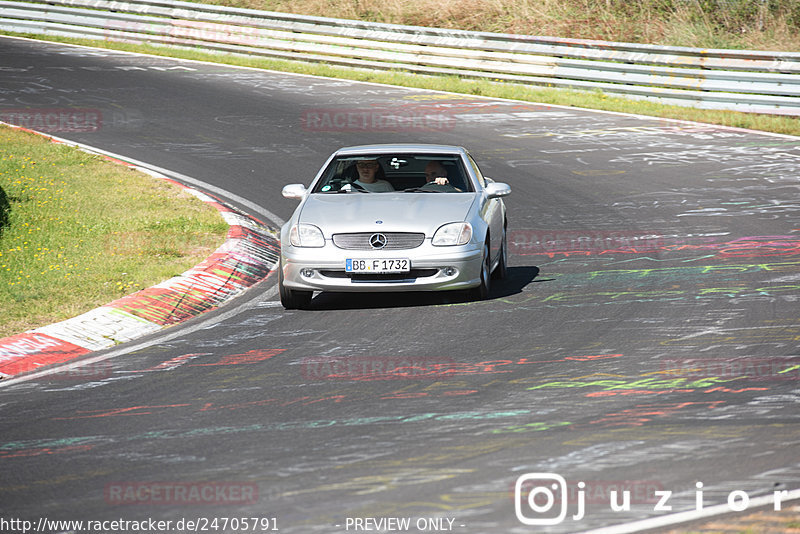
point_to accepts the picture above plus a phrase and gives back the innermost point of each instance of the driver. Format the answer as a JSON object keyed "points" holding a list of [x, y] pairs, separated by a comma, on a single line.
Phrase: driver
{"points": [[369, 177], [436, 173]]}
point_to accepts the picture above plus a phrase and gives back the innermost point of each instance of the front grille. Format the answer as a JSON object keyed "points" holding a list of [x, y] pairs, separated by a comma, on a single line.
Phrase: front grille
{"points": [[394, 240]]}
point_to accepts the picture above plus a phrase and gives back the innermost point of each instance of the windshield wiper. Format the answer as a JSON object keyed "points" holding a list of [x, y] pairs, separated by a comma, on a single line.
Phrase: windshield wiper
{"points": [[420, 190], [352, 187]]}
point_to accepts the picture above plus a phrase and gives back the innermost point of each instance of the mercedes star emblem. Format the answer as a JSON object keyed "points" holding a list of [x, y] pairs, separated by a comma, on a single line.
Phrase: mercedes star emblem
{"points": [[377, 240]]}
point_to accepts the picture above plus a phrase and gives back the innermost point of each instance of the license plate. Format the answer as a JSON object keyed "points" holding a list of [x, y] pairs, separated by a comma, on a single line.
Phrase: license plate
{"points": [[377, 265]]}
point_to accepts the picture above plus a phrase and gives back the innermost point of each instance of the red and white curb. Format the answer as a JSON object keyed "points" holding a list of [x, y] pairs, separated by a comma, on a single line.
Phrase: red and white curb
{"points": [[249, 253]]}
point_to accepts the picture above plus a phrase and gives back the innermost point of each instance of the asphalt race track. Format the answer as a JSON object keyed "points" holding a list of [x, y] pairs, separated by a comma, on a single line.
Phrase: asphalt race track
{"points": [[645, 341]]}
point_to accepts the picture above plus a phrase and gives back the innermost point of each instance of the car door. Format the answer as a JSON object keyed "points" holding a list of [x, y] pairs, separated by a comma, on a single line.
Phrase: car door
{"points": [[492, 211]]}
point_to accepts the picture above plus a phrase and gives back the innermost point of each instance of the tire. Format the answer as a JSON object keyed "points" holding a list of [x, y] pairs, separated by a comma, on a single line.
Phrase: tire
{"points": [[501, 271], [482, 291], [292, 299]]}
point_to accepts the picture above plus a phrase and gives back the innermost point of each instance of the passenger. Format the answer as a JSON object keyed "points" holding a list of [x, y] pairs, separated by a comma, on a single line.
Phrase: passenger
{"points": [[370, 177]]}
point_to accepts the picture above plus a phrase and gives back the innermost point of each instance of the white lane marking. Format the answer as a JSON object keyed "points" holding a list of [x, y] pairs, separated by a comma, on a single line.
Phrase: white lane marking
{"points": [[255, 303]]}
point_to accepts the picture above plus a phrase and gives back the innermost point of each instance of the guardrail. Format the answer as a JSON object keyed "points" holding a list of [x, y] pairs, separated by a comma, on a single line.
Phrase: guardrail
{"points": [[741, 80]]}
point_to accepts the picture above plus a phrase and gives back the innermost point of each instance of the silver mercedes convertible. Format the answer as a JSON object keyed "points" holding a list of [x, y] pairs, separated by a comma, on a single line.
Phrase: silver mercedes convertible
{"points": [[394, 218]]}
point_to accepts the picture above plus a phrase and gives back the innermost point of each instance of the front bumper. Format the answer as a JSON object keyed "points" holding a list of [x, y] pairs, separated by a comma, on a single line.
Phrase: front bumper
{"points": [[432, 269]]}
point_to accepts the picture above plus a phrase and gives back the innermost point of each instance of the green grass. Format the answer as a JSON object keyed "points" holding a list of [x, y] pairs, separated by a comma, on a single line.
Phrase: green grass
{"points": [[748, 24], [487, 88], [82, 231]]}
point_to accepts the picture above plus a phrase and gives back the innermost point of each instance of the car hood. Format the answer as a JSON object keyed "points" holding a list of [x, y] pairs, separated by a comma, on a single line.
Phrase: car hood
{"points": [[398, 212]]}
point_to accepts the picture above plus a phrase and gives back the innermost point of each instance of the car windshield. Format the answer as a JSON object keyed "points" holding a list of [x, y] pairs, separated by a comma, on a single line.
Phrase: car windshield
{"points": [[413, 173]]}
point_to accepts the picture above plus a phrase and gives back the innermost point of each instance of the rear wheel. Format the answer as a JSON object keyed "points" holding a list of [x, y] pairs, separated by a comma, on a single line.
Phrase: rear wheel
{"points": [[482, 291], [292, 299]]}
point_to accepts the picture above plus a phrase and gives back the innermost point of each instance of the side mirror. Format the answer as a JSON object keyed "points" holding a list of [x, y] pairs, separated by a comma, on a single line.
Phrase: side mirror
{"points": [[294, 191], [497, 190]]}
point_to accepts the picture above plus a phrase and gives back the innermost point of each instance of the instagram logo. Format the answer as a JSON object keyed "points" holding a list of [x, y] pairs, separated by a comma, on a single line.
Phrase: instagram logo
{"points": [[540, 492], [541, 498]]}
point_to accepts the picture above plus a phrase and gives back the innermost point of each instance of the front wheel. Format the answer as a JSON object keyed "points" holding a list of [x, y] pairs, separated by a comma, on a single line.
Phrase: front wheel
{"points": [[482, 291], [501, 271], [292, 299]]}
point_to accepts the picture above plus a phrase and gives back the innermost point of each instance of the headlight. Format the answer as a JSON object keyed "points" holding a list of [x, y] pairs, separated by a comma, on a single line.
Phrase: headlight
{"points": [[452, 234], [306, 235]]}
